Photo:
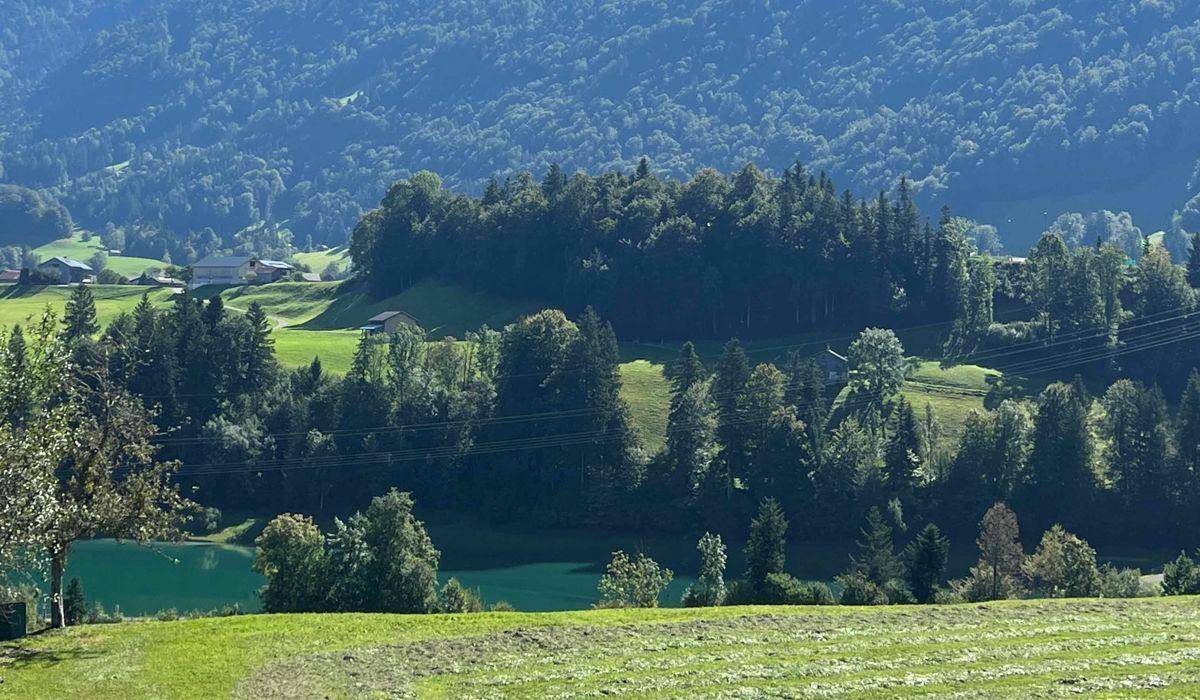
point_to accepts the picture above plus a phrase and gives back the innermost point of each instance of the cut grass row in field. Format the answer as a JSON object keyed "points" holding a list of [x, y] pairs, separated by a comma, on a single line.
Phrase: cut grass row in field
{"points": [[79, 249], [1083, 648]]}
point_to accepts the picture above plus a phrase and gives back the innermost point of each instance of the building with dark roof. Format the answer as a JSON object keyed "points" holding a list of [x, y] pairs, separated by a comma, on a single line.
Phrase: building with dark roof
{"points": [[68, 270], [389, 322]]}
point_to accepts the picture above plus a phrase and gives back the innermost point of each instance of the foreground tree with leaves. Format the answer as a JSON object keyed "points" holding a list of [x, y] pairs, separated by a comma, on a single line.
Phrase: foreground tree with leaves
{"points": [[633, 583], [85, 453]]}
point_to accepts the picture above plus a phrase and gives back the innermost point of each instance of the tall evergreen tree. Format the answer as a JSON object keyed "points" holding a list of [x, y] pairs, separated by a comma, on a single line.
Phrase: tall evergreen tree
{"points": [[79, 320], [1193, 265], [876, 558], [1061, 461], [728, 388], [925, 559], [766, 547], [903, 458]]}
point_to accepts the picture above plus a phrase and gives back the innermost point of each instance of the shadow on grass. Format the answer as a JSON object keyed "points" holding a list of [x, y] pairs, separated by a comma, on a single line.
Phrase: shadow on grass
{"points": [[19, 291], [17, 655]]}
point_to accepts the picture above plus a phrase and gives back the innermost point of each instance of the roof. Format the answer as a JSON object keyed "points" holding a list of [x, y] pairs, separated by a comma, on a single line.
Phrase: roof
{"points": [[8, 275], [386, 315], [830, 356], [228, 261], [279, 264], [310, 277], [69, 262]]}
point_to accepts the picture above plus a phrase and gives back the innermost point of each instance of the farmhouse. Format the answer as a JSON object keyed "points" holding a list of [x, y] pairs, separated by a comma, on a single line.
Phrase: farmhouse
{"points": [[269, 270], [237, 269], [68, 271], [221, 270], [148, 280], [835, 366], [10, 276], [389, 322]]}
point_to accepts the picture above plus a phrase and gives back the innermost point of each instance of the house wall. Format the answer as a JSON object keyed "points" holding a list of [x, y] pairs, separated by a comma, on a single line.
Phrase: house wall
{"points": [[219, 275]]}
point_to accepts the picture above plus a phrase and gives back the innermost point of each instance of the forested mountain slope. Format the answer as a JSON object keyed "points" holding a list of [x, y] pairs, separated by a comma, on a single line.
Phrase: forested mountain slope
{"points": [[225, 114]]}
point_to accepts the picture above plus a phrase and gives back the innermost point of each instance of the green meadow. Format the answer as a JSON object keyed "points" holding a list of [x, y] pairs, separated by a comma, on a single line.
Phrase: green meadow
{"points": [[1018, 649], [79, 249]]}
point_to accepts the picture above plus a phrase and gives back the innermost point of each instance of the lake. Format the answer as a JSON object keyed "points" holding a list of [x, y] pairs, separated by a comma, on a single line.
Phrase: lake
{"points": [[533, 570]]}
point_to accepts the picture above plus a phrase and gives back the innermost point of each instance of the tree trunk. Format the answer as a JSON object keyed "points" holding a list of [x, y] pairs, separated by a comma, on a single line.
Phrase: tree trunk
{"points": [[58, 565]]}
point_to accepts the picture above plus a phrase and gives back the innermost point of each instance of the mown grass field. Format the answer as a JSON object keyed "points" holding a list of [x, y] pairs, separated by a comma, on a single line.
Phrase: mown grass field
{"points": [[75, 247], [1082, 648]]}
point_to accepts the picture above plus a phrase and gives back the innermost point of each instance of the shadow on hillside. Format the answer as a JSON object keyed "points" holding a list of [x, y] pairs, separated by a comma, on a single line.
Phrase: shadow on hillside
{"points": [[16, 655], [19, 291], [347, 310]]}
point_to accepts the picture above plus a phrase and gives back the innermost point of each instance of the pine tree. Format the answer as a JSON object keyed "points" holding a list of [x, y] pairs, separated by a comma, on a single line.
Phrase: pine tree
{"points": [[926, 558], [1062, 455], [1193, 265], [259, 353], [594, 384], [79, 320], [686, 371], [691, 440], [766, 547], [876, 558], [728, 386], [903, 459]]}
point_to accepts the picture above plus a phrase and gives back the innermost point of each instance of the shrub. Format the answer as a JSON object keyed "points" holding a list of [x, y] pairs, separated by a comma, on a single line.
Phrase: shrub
{"points": [[168, 615], [981, 585], [457, 598], [98, 616], [501, 606], [1121, 583], [1064, 566], [1181, 577], [739, 592], [633, 583], [783, 589], [817, 593], [74, 603], [858, 589]]}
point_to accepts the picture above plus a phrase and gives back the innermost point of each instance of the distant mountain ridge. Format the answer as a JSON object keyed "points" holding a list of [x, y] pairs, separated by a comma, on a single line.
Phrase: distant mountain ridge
{"points": [[224, 115]]}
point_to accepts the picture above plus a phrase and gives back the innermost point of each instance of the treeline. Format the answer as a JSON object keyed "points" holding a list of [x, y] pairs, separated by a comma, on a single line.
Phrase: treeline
{"points": [[711, 257], [527, 424]]}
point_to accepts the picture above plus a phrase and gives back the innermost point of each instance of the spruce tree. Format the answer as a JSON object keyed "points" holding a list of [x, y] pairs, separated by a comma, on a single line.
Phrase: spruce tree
{"points": [[926, 558], [728, 386], [876, 558], [259, 353], [1061, 461], [903, 459], [766, 547], [79, 321], [686, 371], [1193, 265]]}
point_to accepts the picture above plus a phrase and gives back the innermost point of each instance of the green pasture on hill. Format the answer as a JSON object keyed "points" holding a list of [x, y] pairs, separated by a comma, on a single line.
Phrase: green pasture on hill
{"points": [[79, 249]]}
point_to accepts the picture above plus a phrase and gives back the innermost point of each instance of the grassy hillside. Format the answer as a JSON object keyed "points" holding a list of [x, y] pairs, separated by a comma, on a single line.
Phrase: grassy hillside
{"points": [[317, 261], [20, 304], [75, 247], [1009, 649]]}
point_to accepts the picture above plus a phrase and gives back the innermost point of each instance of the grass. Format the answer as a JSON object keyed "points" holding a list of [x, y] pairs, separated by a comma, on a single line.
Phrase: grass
{"points": [[75, 247], [18, 305], [953, 392], [1083, 648], [648, 394], [317, 261]]}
